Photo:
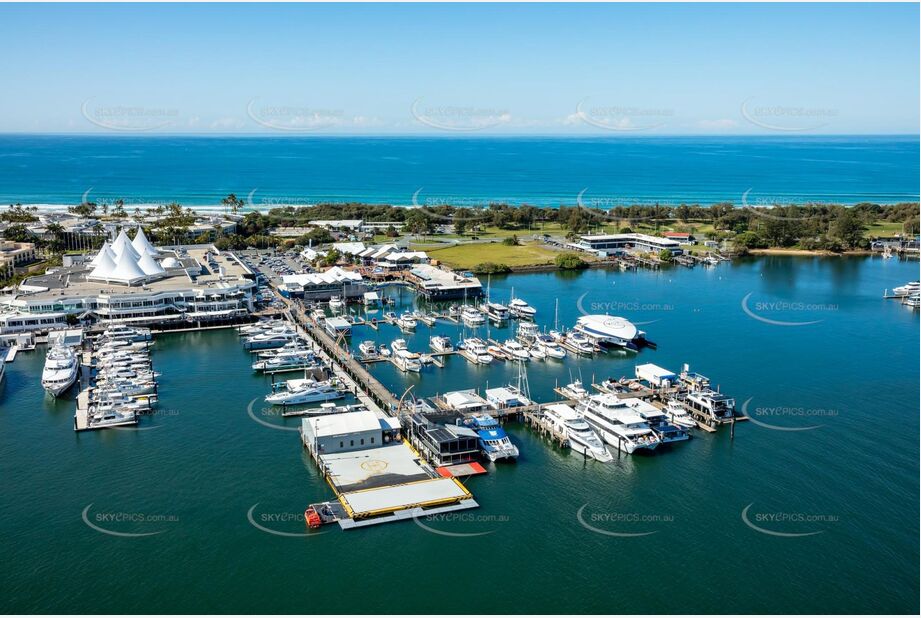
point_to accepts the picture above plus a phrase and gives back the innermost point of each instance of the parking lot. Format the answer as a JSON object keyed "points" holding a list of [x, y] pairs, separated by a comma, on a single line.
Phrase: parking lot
{"points": [[273, 265]]}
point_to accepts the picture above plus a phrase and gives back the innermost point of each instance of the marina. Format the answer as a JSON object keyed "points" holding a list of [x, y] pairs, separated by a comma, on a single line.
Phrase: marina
{"points": [[193, 364]]}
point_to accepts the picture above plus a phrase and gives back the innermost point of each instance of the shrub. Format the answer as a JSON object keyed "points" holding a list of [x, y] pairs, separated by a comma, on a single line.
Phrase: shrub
{"points": [[491, 268], [570, 261]]}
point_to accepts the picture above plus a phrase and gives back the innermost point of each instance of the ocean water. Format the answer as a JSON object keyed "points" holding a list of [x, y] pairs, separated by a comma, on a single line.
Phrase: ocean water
{"points": [[267, 171], [833, 456]]}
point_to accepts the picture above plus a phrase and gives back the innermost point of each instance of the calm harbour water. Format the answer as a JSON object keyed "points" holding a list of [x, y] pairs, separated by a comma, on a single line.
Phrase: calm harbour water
{"points": [[194, 470], [199, 171]]}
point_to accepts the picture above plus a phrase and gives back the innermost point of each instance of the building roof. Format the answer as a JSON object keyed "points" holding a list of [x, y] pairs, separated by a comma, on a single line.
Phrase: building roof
{"points": [[654, 371], [344, 423], [460, 400], [349, 248], [333, 275]]}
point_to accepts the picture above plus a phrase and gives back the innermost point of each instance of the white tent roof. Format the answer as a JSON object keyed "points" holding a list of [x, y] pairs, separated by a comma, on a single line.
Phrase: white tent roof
{"points": [[123, 244], [105, 265], [141, 244], [149, 265], [127, 270], [106, 250]]}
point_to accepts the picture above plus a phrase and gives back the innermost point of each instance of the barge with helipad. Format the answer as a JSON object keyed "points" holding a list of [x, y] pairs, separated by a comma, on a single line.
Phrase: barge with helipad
{"points": [[377, 476]]}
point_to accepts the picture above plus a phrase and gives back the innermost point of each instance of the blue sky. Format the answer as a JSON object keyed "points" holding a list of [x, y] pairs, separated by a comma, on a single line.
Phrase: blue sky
{"points": [[461, 69]]}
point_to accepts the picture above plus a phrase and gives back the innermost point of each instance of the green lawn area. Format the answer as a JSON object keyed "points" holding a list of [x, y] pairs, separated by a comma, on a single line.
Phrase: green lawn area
{"points": [[883, 228], [468, 256]]}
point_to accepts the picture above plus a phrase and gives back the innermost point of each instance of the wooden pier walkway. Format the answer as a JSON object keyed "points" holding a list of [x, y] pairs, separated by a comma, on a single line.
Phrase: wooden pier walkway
{"points": [[366, 388]]}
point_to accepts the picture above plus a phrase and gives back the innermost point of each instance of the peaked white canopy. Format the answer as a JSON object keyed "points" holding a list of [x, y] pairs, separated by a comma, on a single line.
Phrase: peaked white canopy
{"points": [[123, 245], [105, 266], [106, 250], [142, 245], [149, 265], [127, 270]]}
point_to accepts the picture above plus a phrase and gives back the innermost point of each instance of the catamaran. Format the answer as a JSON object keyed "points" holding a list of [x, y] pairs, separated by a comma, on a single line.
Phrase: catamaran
{"points": [[582, 438], [493, 441], [608, 330]]}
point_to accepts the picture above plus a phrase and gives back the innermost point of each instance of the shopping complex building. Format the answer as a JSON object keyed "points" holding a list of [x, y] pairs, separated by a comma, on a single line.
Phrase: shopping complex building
{"points": [[131, 281]]}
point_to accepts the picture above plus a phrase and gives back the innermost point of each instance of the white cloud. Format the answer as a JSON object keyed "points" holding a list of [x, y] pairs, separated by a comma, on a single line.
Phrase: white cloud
{"points": [[222, 124], [721, 124]]}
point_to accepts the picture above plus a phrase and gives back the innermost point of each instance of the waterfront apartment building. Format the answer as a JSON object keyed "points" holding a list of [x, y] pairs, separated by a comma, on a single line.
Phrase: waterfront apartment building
{"points": [[619, 244], [12, 254]]}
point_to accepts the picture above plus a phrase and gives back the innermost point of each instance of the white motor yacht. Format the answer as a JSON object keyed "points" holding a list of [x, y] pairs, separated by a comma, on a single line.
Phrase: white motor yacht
{"points": [[617, 424], [406, 360], [60, 372], [580, 343], [582, 438], [478, 351], [497, 312], [678, 415], [269, 340], [549, 347], [910, 288], [367, 349], [521, 309], [307, 390], [336, 303], [574, 390], [472, 317], [528, 332], [441, 344], [406, 321], [515, 350]]}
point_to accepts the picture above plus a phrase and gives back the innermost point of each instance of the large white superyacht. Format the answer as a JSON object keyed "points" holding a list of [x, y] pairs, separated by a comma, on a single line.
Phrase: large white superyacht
{"points": [[617, 424], [61, 367]]}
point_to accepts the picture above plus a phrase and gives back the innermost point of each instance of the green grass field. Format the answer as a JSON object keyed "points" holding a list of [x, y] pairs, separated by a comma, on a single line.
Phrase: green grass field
{"points": [[468, 256]]}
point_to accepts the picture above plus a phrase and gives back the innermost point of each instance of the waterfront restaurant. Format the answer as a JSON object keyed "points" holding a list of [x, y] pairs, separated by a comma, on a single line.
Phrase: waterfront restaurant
{"points": [[335, 281], [619, 244], [441, 284]]}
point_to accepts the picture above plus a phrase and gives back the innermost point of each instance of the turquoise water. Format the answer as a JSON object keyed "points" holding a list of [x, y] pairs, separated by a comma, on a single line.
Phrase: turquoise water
{"points": [[201, 464], [199, 171]]}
